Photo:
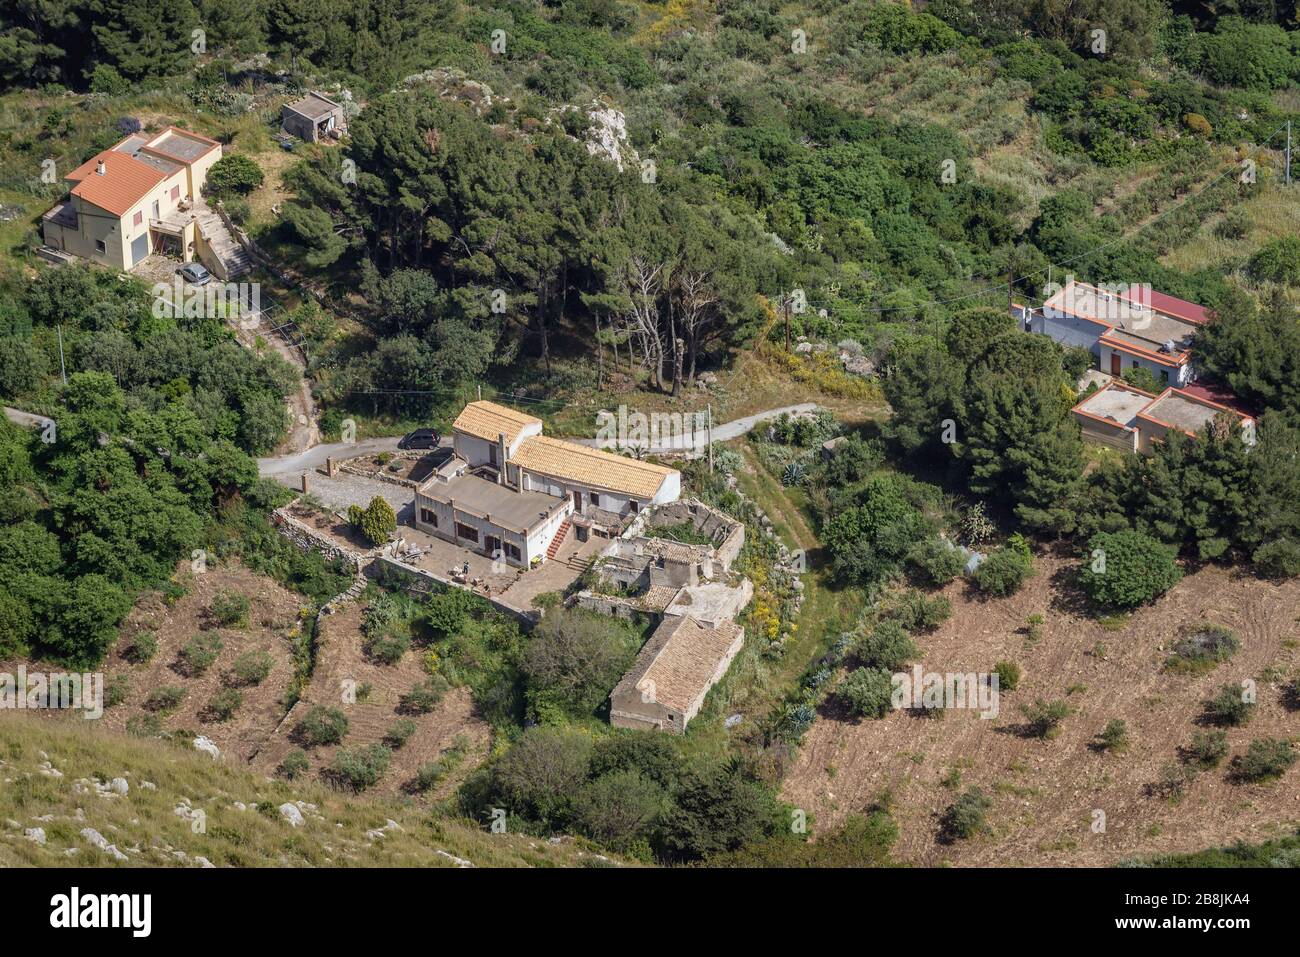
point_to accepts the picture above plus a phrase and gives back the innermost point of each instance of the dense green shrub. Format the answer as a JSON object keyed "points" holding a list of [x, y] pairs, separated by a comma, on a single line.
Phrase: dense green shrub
{"points": [[1008, 673], [234, 173], [223, 705], [1265, 760], [294, 765], [936, 561], [1114, 737], [361, 768], [1277, 261], [1125, 569], [867, 692], [965, 817], [229, 609], [887, 647], [322, 725], [200, 653], [1229, 707], [252, 667], [1004, 571], [399, 734], [425, 696], [1043, 718]]}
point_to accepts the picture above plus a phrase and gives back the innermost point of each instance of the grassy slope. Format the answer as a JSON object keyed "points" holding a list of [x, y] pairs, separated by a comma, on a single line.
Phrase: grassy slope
{"points": [[144, 823]]}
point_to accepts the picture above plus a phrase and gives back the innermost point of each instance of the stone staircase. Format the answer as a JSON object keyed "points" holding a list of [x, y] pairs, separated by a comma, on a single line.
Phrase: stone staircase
{"points": [[234, 259], [558, 540], [353, 591]]}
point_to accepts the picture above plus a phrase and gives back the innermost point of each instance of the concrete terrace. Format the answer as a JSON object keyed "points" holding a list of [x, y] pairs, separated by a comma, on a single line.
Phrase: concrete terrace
{"points": [[1118, 404], [1181, 412]]}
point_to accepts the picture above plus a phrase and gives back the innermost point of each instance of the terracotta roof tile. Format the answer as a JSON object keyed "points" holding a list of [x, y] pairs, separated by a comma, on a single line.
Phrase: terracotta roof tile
{"points": [[125, 181], [682, 659], [487, 420], [587, 466]]}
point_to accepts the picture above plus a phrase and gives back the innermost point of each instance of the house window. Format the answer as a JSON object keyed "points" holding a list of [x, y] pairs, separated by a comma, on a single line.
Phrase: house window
{"points": [[428, 516], [139, 218], [176, 192], [512, 551], [101, 246], [467, 532]]}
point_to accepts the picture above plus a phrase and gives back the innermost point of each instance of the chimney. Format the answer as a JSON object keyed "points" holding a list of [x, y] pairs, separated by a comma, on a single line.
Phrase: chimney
{"points": [[99, 168]]}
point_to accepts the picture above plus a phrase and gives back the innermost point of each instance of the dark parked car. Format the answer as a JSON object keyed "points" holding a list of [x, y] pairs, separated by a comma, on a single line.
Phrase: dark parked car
{"points": [[420, 439]]}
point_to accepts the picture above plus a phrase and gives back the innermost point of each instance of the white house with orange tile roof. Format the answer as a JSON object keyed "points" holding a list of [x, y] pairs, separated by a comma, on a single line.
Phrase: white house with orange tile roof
{"points": [[134, 199], [512, 493]]}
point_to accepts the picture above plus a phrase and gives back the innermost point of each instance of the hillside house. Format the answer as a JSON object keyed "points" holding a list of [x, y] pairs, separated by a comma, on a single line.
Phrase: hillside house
{"points": [[511, 493], [134, 199], [1126, 418], [314, 117], [1135, 328]]}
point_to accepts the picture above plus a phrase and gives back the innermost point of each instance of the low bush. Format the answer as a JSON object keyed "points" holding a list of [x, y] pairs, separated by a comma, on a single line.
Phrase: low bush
{"points": [[252, 667], [399, 734], [915, 611], [166, 698], [1266, 759], [965, 817], [294, 765], [361, 768], [1004, 571], [1044, 718], [323, 726], [1207, 750], [867, 692], [224, 704], [141, 648], [424, 697], [1114, 737], [1202, 649], [229, 609], [1009, 675], [935, 561], [1229, 707], [200, 653]]}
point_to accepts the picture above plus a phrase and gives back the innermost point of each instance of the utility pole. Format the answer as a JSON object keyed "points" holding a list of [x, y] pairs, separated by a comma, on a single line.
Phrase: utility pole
{"points": [[1288, 152], [63, 370], [710, 438]]}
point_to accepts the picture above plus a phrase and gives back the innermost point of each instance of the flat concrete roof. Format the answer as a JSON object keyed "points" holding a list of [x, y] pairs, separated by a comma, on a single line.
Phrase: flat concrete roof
{"points": [[1116, 403], [501, 502], [314, 106], [177, 144], [1159, 330], [1181, 412]]}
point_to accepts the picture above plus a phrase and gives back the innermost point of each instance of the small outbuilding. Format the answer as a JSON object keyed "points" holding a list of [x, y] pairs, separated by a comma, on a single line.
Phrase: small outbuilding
{"points": [[314, 117]]}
